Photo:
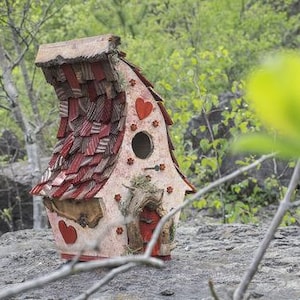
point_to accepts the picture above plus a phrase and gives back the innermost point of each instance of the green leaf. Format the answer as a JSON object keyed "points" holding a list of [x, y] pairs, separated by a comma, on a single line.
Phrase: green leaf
{"points": [[210, 162], [205, 144], [263, 143], [200, 204], [274, 92]]}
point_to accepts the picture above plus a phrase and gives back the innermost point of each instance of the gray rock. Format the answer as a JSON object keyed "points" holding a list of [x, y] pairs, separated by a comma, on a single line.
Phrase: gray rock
{"points": [[220, 253]]}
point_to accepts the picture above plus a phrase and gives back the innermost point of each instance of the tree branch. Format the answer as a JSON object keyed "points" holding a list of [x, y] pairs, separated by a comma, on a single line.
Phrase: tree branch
{"points": [[31, 34], [295, 203], [5, 107], [123, 263], [212, 290], [200, 193], [70, 269], [108, 277], [284, 205]]}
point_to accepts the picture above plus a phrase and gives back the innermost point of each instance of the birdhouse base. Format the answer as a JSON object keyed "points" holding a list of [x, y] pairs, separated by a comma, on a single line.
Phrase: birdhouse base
{"points": [[76, 242], [68, 256], [83, 258]]}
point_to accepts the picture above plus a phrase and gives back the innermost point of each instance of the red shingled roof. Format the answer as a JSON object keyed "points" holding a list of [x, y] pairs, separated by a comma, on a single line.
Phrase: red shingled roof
{"points": [[92, 109], [91, 130]]}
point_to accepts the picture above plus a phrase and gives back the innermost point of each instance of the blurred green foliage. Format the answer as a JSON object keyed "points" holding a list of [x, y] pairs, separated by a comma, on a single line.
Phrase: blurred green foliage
{"points": [[273, 91]]}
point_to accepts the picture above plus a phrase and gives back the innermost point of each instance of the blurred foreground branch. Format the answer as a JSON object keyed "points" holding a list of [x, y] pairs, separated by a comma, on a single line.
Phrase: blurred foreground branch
{"points": [[200, 193], [124, 263], [71, 268]]}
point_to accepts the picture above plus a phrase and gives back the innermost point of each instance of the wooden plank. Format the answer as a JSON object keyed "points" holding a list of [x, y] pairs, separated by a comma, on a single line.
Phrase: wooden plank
{"points": [[84, 49]]}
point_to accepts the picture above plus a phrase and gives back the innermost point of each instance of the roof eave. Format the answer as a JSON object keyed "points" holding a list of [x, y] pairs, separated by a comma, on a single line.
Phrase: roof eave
{"points": [[78, 50]]}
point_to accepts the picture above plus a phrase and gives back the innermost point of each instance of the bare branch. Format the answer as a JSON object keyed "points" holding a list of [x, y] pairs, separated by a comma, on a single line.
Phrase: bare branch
{"points": [[16, 32], [40, 127], [201, 192], [126, 262], [284, 205], [212, 290], [5, 107], [295, 203], [112, 274], [70, 269], [24, 13]]}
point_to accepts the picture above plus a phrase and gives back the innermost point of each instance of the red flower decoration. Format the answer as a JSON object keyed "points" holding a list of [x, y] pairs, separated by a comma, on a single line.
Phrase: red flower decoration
{"points": [[132, 82], [130, 161], [169, 189], [162, 167], [155, 123], [119, 230], [118, 197], [133, 127]]}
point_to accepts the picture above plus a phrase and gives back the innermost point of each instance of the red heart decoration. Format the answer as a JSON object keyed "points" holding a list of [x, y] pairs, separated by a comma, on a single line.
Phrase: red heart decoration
{"points": [[68, 232], [143, 108]]}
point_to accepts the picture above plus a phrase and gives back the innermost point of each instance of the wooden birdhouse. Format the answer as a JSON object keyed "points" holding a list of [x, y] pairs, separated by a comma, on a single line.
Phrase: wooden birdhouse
{"points": [[112, 175]]}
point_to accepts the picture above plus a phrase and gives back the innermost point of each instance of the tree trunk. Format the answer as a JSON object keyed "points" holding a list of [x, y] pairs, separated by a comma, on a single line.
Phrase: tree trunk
{"points": [[39, 214]]}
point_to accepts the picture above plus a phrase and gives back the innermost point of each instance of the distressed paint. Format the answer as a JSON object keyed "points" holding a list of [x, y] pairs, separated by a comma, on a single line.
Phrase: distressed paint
{"points": [[148, 222], [88, 239], [97, 127]]}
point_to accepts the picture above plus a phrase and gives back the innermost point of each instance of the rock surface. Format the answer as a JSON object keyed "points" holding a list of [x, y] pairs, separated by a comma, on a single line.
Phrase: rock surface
{"points": [[15, 183], [204, 251]]}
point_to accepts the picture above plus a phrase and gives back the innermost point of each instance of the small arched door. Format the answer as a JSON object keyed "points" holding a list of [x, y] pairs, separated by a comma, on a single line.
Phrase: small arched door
{"points": [[149, 219]]}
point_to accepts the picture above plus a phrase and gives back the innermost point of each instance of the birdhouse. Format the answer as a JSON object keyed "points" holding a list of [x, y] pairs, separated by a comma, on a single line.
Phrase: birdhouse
{"points": [[112, 175]]}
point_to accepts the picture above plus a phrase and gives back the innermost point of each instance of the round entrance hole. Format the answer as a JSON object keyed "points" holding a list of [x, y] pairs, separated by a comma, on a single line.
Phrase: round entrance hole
{"points": [[142, 145]]}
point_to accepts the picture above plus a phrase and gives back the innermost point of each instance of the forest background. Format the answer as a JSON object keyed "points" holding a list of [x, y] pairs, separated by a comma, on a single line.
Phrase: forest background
{"points": [[196, 53]]}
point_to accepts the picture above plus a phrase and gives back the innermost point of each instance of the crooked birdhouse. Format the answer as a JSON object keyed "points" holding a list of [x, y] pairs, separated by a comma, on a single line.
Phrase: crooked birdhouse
{"points": [[112, 175]]}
